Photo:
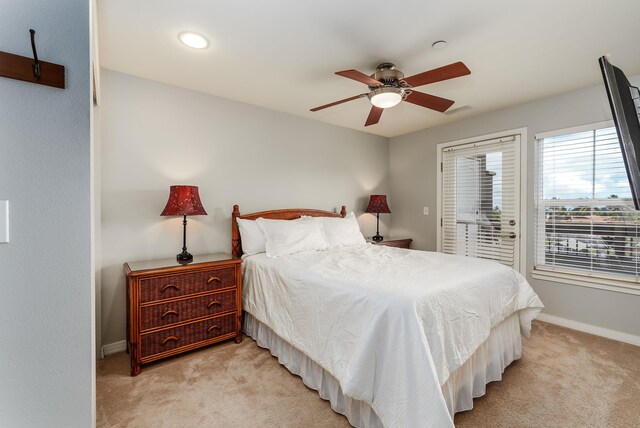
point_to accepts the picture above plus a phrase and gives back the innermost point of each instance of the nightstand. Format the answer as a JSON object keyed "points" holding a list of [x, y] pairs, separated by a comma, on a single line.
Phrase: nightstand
{"points": [[174, 308], [400, 243]]}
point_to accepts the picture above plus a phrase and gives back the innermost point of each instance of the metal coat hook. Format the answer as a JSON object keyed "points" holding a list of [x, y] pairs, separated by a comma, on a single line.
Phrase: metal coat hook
{"points": [[36, 64], [31, 69]]}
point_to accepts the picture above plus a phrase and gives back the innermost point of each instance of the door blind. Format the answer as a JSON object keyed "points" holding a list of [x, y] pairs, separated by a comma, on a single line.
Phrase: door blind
{"points": [[585, 219], [480, 203]]}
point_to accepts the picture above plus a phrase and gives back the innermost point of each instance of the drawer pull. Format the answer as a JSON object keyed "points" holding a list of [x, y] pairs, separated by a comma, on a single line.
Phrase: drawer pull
{"points": [[215, 326], [215, 302], [168, 339], [169, 312], [169, 286], [213, 278]]}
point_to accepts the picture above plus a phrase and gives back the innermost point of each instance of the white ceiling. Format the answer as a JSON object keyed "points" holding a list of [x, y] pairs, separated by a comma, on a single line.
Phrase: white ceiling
{"points": [[282, 54]]}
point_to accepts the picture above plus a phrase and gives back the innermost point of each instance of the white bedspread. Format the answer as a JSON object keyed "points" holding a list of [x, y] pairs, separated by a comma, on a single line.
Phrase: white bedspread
{"points": [[390, 324]]}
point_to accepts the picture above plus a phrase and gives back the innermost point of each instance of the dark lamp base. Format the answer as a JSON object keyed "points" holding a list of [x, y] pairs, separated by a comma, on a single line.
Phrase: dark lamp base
{"points": [[377, 238], [184, 257]]}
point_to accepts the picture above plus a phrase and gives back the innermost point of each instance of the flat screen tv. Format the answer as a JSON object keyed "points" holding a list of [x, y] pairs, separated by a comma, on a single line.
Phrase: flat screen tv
{"points": [[624, 100]]}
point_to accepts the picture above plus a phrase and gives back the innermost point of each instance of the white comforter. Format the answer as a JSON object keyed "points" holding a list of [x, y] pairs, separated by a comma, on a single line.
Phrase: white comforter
{"points": [[390, 324]]}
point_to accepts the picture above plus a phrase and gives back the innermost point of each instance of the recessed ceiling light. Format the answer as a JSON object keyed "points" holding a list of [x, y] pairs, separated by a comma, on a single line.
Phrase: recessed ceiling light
{"points": [[193, 40], [440, 44]]}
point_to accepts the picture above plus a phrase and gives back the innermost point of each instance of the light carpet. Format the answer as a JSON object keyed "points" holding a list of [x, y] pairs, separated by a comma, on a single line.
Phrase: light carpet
{"points": [[564, 379]]}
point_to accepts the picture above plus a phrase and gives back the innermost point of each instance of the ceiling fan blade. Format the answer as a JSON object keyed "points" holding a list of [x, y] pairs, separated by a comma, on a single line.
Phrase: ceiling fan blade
{"points": [[374, 116], [447, 72], [429, 101], [359, 76], [338, 102]]}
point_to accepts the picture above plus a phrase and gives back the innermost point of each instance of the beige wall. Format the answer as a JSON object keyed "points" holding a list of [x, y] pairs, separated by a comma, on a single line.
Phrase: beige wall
{"points": [[413, 169], [155, 135]]}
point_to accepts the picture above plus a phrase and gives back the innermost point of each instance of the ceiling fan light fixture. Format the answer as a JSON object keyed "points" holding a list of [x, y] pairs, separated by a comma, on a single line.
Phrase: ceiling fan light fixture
{"points": [[386, 97], [193, 40]]}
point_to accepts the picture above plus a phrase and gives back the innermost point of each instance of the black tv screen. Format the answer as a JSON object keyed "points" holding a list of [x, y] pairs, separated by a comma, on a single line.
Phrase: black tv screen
{"points": [[624, 100]]}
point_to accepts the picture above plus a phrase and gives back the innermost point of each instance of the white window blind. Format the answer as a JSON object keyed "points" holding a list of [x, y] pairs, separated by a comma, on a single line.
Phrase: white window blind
{"points": [[585, 219], [480, 201]]}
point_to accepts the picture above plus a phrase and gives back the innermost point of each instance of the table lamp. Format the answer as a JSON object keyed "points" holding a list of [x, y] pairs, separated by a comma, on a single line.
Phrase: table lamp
{"points": [[184, 201], [377, 205]]}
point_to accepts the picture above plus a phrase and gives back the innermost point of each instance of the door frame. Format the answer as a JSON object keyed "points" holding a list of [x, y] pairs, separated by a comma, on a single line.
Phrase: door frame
{"points": [[521, 152]]}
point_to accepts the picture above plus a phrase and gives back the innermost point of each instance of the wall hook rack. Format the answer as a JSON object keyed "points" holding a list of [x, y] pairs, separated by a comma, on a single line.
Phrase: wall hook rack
{"points": [[31, 69]]}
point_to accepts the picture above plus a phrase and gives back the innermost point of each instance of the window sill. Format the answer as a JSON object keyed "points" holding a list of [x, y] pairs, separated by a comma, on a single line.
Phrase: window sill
{"points": [[615, 285]]}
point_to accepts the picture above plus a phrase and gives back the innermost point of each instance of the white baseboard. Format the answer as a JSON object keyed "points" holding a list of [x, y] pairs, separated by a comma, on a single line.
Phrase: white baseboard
{"points": [[112, 348], [592, 329]]}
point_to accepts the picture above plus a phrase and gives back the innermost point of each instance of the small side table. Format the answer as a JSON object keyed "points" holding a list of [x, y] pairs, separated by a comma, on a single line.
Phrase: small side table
{"points": [[174, 308]]}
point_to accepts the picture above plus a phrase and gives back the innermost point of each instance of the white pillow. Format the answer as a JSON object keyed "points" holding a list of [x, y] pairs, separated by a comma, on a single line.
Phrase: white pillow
{"points": [[342, 232], [251, 236], [291, 236]]}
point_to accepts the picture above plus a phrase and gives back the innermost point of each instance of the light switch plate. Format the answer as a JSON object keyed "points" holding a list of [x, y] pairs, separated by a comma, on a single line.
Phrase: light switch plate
{"points": [[4, 222], [425, 211]]}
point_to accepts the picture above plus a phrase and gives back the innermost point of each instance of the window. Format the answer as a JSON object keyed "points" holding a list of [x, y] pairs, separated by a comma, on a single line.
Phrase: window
{"points": [[585, 218]]}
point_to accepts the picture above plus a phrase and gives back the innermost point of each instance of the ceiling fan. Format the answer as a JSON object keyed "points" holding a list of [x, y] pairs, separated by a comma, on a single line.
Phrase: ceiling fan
{"points": [[388, 87]]}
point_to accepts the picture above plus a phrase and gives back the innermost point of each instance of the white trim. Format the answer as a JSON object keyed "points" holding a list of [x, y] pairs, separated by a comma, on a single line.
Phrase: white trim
{"points": [[524, 232], [574, 129], [480, 143], [481, 138], [522, 167], [112, 348], [591, 329], [587, 281], [439, 196], [95, 324]]}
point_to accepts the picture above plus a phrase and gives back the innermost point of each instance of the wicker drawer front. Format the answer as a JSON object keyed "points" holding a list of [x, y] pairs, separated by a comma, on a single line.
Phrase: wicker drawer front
{"points": [[168, 313], [166, 287], [172, 338]]}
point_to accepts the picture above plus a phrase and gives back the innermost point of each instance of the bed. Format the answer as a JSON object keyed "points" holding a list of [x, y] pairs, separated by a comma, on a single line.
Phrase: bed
{"points": [[391, 337]]}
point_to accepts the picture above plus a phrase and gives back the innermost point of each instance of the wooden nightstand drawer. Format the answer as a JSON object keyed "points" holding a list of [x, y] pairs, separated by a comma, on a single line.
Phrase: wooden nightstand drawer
{"points": [[162, 314], [166, 287], [399, 243], [188, 334]]}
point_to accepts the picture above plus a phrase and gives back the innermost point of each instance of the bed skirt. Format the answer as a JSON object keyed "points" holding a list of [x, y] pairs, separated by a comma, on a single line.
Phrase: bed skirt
{"points": [[486, 365]]}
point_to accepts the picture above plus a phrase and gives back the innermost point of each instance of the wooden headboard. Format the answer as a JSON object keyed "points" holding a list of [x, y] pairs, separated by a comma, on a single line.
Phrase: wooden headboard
{"points": [[286, 214]]}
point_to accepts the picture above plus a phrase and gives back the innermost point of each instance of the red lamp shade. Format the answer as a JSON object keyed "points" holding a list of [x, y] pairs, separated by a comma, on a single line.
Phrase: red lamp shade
{"points": [[378, 204], [184, 200]]}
